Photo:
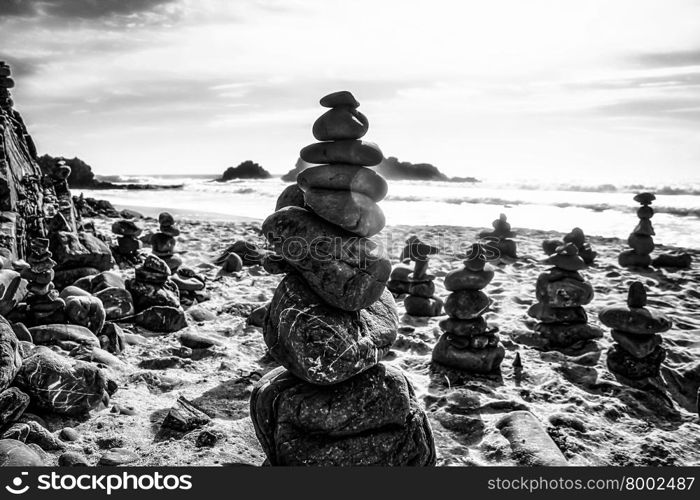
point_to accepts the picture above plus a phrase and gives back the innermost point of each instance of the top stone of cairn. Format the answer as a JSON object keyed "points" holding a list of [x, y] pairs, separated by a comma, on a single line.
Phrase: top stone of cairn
{"points": [[338, 99]]}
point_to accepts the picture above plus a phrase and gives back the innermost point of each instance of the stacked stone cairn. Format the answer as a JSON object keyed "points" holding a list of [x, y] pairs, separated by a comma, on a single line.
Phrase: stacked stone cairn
{"points": [[44, 304], [469, 343], [421, 300], [562, 292], [399, 281], [637, 353], [163, 242], [501, 237], [156, 298], [640, 240], [331, 319], [127, 250], [578, 238]]}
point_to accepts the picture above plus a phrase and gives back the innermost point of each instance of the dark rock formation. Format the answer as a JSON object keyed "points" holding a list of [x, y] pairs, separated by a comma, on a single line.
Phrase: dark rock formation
{"points": [[246, 170]]}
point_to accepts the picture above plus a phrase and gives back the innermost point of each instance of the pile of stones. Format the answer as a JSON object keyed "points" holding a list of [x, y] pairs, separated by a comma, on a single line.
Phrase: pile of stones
{"points": [[578, 238], [421, 300], [126, 253], [501, 237], [163, 242], [637, 352], [561, 294], [331, 319], [469, 343], [44, 304], [640, 240], [156, 298]]}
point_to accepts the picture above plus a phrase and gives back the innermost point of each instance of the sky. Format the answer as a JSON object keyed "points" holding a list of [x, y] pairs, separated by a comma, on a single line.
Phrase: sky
{"points": [[523, 89]]}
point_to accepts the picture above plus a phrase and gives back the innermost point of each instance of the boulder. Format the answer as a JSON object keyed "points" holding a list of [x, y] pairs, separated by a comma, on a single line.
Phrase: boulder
{"points": [[347, 272], [15, 453], [145, 295], [57, 333], [86, 311], [292, 196], [10, 356], [62, 385], [371, 419], [80, 250], [117, 302], [112, 338], [164, 319], [13, 402], [321, 344]]}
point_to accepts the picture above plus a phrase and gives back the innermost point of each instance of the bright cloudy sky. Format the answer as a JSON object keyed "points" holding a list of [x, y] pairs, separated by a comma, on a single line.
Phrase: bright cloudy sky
{"points": [[526, 88]]}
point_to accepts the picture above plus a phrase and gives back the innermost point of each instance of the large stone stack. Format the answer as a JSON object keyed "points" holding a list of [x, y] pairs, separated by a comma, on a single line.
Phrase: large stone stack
{"points": [[43, 302], [637, 352], [578, 238], [640, 240], [561, 294], [469, 343], [331, 320], [501, 237]]}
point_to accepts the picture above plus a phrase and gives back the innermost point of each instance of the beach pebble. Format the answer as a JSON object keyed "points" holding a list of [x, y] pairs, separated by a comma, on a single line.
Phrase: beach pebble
{"points": [[72, 459], [529, 441], [465, 279], [118, 456], [344, 177], [196, 340], [184, 417], [14, 453], [163, 319], [69, 434], [451, 353], [349, 152], [339, 98]]}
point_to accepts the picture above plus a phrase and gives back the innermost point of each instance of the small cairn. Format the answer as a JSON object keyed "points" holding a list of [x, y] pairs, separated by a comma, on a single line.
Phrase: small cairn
{"points": [[127, 250], [561, 294], [156, 297], [421, 300], [163, 242], [468, 343], [399, 281], [43, 300], [637, 352], [331, 320], [502, 237], [578, 238], [640, 240]]}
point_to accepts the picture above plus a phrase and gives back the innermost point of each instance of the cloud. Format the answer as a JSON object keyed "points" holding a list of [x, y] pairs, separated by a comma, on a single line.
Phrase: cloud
{"points": [[670, 59], [78, 9]]}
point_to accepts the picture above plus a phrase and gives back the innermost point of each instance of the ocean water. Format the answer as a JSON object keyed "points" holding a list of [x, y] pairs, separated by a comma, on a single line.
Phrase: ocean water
{"points": [[600, 209]]}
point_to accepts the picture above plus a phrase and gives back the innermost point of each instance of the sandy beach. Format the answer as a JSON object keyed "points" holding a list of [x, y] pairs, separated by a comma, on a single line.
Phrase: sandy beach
{"points": [[594, 419]]}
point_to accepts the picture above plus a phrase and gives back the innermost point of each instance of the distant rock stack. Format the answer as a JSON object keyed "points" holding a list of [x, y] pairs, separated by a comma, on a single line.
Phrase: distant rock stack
{"points": [[578, 238], [399, 280], [640, 240], [128, 244], [331, 319], [501, 237], [637, 353], [43, 301], [421, 300], [163, 242], [469, 344], [561, 294], [156, 298]]}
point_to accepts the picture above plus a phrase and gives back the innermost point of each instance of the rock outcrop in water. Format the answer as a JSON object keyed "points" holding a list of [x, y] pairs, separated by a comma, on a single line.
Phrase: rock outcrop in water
{"points": [[246, 170], [331, 321]]}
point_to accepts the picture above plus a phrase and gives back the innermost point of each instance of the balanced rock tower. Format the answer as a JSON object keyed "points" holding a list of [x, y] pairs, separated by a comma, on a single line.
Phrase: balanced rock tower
{"points": [[163, 242], [501, 237], [469, 343], [414, 250], [562, 292], [421, 300], [578, 238], [127, 250], [637, 353], [44, 305], [640, 240], [331, 319]]}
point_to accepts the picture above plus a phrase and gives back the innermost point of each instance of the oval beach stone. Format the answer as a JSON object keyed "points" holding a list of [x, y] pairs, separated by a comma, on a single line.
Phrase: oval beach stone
{"points": [[340, 123], [353, 212], [344, 177], [351, 152]]}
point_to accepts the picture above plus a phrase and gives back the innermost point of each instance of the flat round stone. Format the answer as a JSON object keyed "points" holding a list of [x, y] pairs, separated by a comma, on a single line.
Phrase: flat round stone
{"points": [[566, 292], [422, 306], [344, 178], [547, 314], [350, 152], [464, 327], [630, 258], [568, 334], [639, 346], [470, 360], [634, 320], [464, 279], [467, 304], [623, 363]]}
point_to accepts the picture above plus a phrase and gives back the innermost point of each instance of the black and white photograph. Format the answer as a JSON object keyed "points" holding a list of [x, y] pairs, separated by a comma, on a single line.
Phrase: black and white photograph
{"points": [[327, 233]]}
